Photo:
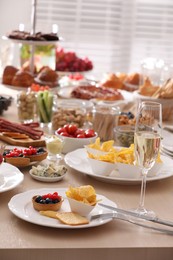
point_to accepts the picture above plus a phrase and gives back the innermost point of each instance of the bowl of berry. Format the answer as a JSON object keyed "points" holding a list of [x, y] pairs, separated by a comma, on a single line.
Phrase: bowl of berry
{"points": [[69, 61], [74, 137], [49, 201]]}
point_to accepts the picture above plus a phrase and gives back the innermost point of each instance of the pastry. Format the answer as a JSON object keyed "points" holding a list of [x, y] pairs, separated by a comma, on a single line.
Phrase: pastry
{"points": [[47, 76], [8, 75], [26, 67], [22, 79], [47, 202], [112, 81], [147, 89], [133, 78], [22, 35]]}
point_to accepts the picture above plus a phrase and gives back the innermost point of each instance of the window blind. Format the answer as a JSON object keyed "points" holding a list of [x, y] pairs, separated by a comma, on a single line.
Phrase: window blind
{"points": [[115, 34]]}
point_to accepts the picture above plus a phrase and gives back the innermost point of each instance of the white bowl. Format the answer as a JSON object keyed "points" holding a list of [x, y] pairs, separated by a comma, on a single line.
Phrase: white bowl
{"points": [[102, 168], [120, 170], [79, 207], [71, 144], [47, 179]]}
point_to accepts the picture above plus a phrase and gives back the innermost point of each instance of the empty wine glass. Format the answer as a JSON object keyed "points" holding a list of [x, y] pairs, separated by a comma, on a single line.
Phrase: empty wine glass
{"points": [[147, 144]]}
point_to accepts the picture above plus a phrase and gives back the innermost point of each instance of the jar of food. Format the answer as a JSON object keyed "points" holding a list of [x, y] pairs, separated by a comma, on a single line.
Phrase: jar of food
{"points": [[124, 135], [105, 117], [68, 112], [26, 105]]}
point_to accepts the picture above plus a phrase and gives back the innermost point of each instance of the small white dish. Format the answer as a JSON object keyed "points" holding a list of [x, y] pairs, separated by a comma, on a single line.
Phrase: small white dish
{"points": [[79, 207], [47, 179], [101, 167]]}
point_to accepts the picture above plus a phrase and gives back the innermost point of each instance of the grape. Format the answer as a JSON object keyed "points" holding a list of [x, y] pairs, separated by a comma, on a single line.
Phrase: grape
{"points": [[69, 61]]}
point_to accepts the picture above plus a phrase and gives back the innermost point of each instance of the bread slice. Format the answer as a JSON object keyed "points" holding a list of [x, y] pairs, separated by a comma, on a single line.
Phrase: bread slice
{"points": [[68, 218], [71, 218]]}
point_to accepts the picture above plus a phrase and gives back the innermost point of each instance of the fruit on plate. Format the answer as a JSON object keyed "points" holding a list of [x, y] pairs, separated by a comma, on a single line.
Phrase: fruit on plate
{"points": [[23, 157], [50, 201], [45, 104], [71, 130], [69, 61]]}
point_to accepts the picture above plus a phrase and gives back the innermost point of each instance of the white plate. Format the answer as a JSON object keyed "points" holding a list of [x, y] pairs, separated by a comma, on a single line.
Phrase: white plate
{"points": [[167, 141], [47, 179], [10, 177], [78, 161], [21, 206]]}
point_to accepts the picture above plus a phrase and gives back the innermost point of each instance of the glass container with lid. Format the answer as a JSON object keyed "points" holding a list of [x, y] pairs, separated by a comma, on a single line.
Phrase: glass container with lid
{"points": [[69, 112], [26, 105], [105, 118]]}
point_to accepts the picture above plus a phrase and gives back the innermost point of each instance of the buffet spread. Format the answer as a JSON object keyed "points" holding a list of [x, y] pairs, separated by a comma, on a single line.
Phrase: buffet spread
{"points": [[63, 114]]}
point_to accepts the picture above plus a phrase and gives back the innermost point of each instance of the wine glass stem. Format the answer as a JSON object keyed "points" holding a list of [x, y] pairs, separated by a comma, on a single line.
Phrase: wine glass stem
{"points": [[143, 189]]}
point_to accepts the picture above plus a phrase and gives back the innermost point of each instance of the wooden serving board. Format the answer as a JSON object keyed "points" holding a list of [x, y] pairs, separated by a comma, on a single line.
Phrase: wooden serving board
{"points": [[23, 142]]}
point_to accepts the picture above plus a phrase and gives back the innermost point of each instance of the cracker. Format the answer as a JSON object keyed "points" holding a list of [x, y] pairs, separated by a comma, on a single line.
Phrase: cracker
{"points": [[71, 218], [68, 218], [48, 213]]}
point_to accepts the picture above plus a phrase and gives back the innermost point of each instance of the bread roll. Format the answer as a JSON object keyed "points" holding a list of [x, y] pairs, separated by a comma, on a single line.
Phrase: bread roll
{"points": [[22, 79], [8, 75]]}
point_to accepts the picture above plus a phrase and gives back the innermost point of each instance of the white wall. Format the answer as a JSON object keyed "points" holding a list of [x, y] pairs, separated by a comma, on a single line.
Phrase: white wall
{"points": [[12, 13]]}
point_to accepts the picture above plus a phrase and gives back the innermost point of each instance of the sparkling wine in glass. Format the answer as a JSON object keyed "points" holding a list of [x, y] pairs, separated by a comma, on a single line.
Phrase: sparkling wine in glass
{"points": [[147, 144]]}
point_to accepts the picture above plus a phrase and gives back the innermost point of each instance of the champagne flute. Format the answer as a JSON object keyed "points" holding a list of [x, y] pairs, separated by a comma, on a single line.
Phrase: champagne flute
{"points": [[147, 144]]}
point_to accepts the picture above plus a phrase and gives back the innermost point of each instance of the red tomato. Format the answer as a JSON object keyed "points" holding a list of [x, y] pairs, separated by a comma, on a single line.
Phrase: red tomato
{"points": [[80, 136], [72, 129], [61, 130], [89, 133], [79, 131], [64, 134], [66, 127]]}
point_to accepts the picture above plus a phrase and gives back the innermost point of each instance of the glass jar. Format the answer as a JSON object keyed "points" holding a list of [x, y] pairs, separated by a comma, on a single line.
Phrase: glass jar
{"points": [[105, 118], [68, 112], [26, 105], [46, 104]]}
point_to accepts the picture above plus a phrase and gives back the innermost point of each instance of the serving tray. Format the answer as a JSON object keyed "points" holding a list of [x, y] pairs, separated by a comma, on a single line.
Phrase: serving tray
{"points": [[23, 142]]}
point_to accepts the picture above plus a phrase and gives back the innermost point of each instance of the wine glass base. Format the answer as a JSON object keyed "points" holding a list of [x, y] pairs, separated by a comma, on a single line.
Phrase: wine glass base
{"points": [[144, 212], [54, 158]]}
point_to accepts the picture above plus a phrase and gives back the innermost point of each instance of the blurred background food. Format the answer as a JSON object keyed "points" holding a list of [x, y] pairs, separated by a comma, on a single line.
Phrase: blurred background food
{"points": [[5, 102]]}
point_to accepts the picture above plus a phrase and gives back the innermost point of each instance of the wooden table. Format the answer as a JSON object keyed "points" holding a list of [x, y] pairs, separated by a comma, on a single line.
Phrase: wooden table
{"points": [[115, 240]]}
